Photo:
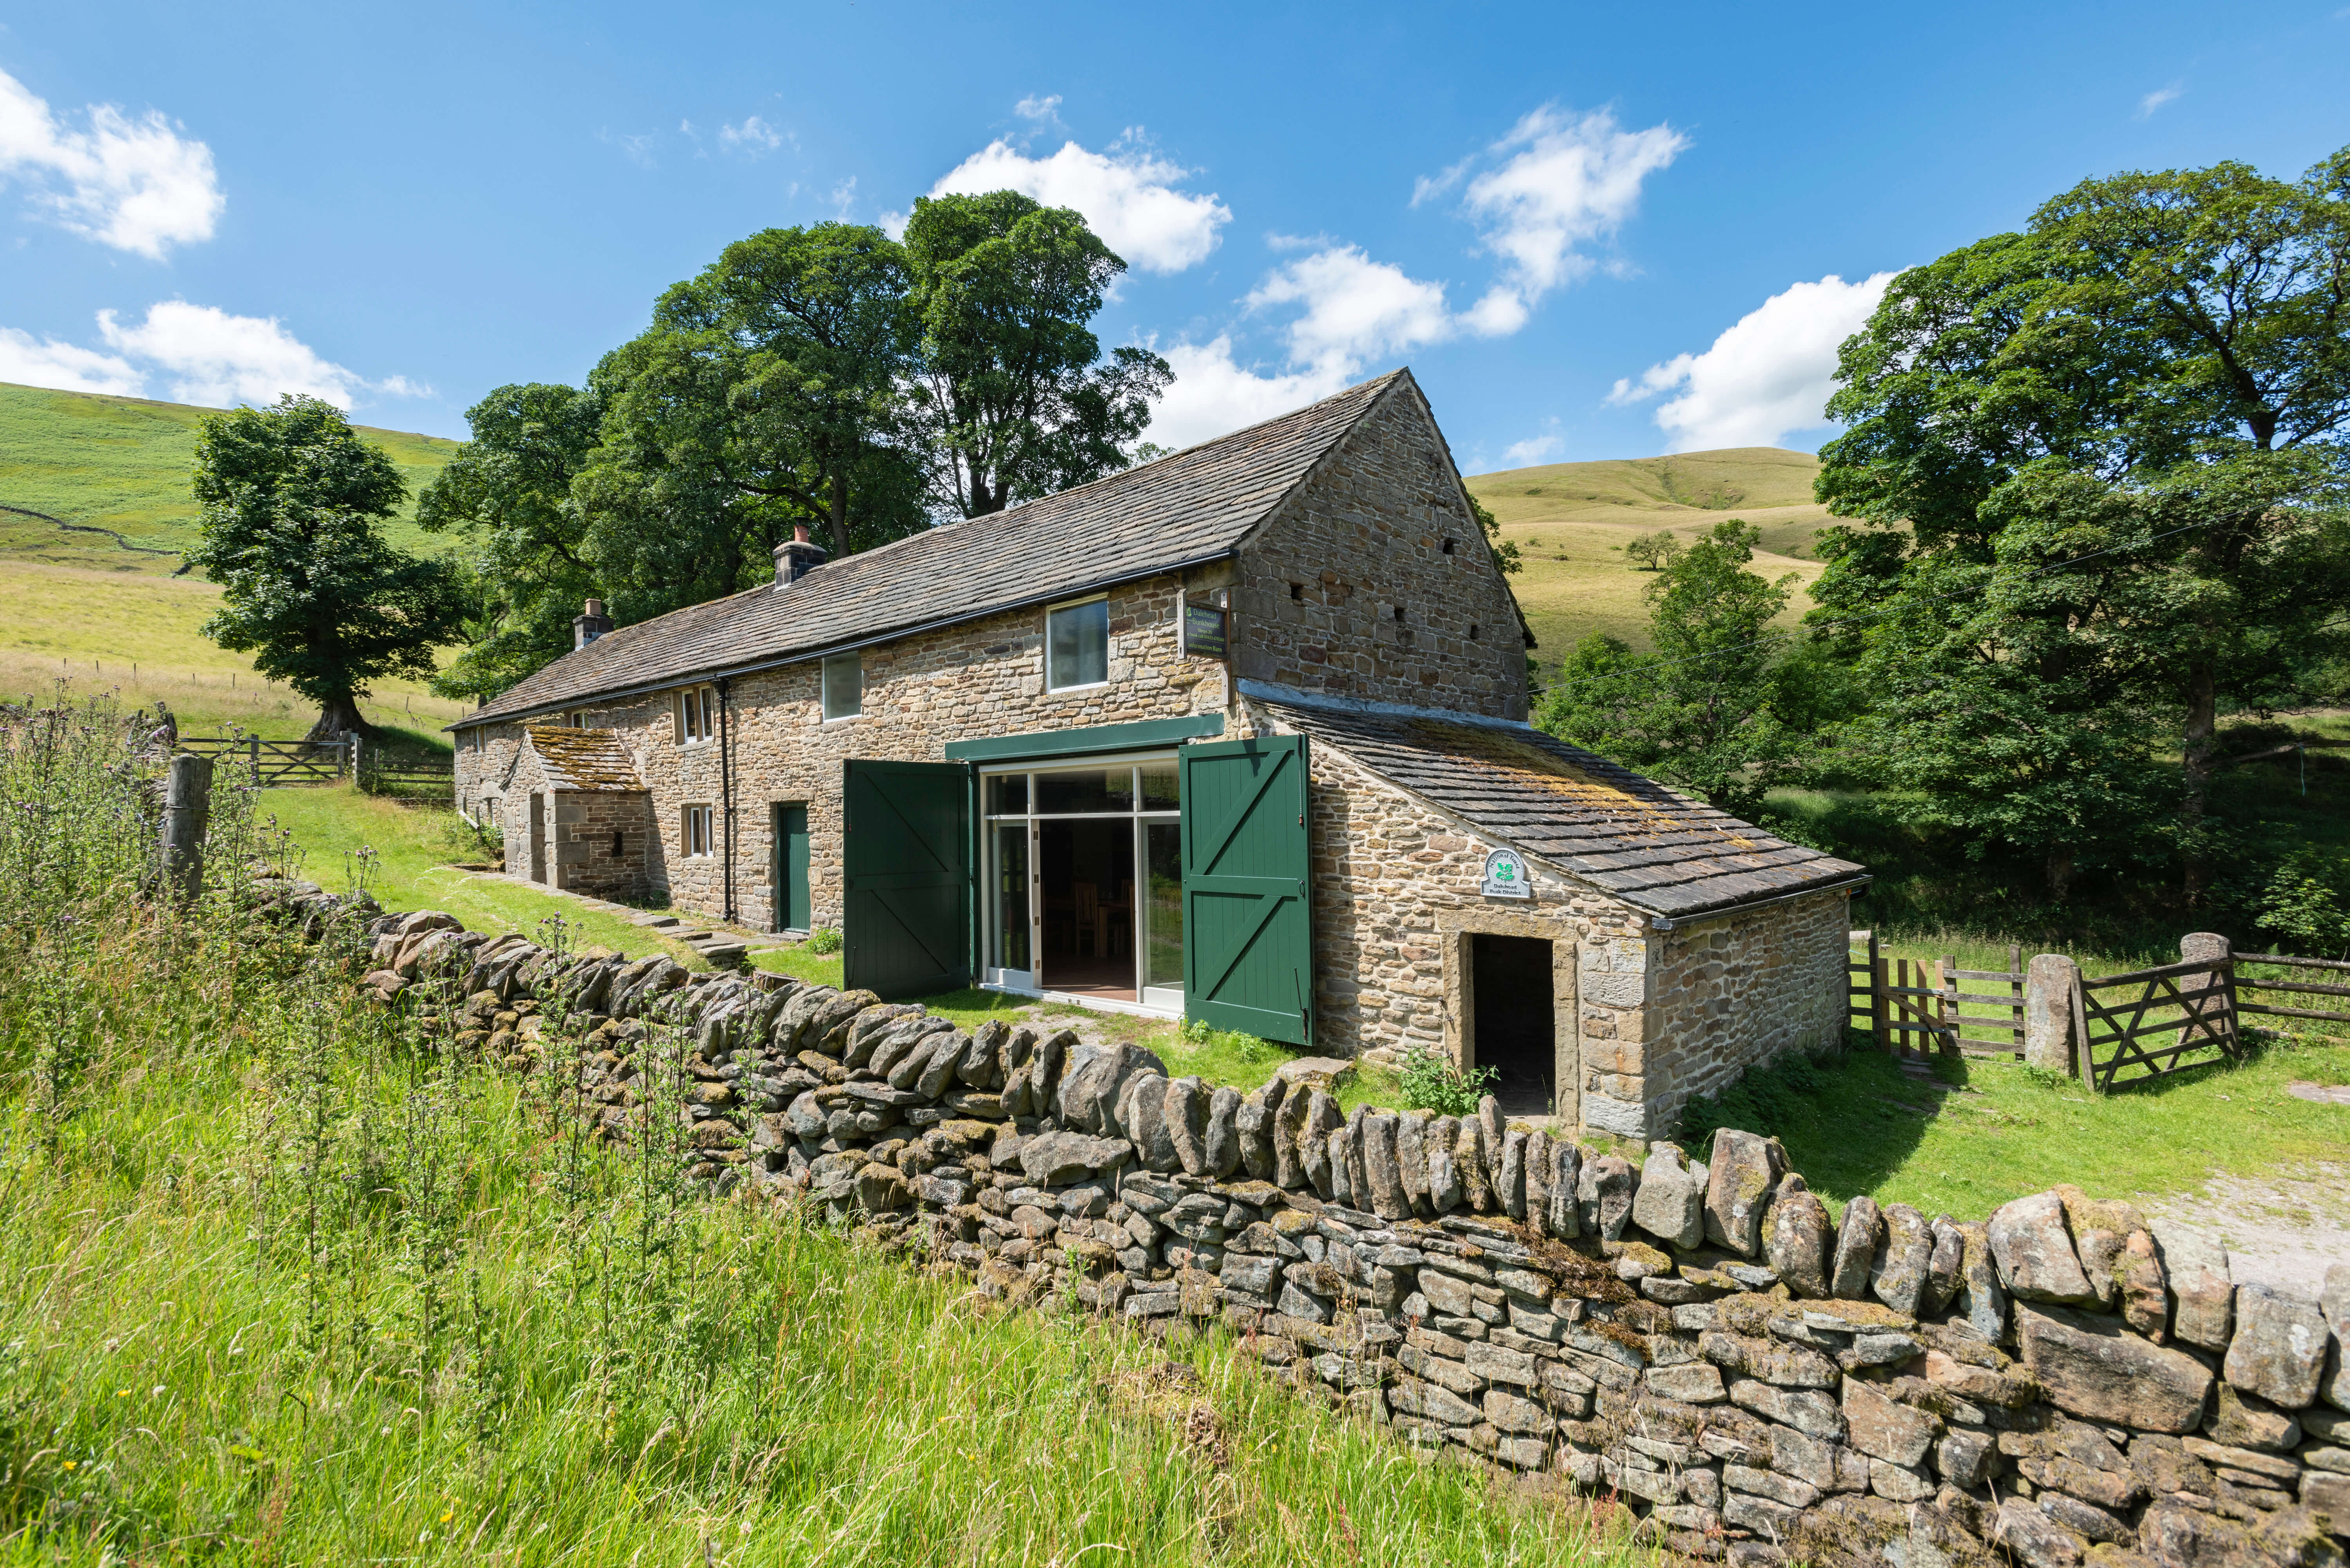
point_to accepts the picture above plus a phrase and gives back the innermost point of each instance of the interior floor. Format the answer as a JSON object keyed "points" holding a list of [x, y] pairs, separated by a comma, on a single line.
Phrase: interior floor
{"points": [[1514, 1034], [1086, 879]]}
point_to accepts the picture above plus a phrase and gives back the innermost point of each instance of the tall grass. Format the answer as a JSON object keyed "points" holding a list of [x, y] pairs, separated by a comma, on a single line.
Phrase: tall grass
{"points": [[288, 1280]]}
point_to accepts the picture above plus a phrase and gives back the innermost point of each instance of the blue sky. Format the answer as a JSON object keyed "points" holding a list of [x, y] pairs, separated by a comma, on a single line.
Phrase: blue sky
{"points": [[1591, 230]]}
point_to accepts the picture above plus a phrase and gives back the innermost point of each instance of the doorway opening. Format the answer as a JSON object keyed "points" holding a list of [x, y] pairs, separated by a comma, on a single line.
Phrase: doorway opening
{"points": [[538, 838], [1515, 1035], [1087, 876]]}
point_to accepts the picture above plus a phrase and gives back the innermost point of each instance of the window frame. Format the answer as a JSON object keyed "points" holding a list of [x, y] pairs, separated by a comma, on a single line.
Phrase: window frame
{"points": [[697, 824], [693, 714], [824, 686], [1052, 611]]}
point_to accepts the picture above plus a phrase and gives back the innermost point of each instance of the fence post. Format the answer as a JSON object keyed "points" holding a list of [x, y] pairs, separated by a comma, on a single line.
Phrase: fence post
{"points": [[2015, 995], [1877, 1019], [2049, 1040], [187, 807], [1951, 1003], [353, 742], [253, 754], [2210, 947]]}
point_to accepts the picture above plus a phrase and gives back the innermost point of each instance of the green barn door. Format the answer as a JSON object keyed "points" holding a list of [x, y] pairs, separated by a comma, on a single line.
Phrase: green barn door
{"points": [[791, 879], [907, 869], [1248, 931]]}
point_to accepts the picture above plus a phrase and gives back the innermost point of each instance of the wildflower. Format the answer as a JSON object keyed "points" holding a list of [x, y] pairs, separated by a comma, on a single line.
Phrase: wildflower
{"points": [[156, 1392], [448, 1516], [73, 1464]]}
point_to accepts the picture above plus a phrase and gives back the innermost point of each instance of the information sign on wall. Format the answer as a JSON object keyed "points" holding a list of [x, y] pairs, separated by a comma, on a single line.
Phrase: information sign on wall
{"points": [[1205, 631], [1505, 875]]}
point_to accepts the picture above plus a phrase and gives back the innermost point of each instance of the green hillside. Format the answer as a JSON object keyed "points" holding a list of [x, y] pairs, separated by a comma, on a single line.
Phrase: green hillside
{"points": [[1567, 518], [122, 464]]}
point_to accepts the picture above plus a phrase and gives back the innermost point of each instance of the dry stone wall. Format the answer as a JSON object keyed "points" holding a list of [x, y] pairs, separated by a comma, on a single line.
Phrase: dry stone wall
{"points": [[2057, 1384]]}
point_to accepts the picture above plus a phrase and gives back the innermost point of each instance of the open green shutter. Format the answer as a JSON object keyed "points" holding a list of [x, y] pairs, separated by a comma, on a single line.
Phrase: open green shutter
{"points": [[907, 874], [1248, 929]]}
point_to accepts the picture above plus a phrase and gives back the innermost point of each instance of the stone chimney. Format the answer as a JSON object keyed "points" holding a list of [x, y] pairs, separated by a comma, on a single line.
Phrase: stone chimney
{"points": [[587, 626], [798, 558]]}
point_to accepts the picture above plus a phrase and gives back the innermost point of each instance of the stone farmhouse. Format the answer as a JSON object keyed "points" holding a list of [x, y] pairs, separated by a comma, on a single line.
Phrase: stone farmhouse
{"points": [[1238, 734]]}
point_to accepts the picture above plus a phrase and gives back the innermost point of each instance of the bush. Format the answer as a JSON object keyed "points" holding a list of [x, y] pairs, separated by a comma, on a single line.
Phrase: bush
{"points": [[824, 939], [1432, 1082]]}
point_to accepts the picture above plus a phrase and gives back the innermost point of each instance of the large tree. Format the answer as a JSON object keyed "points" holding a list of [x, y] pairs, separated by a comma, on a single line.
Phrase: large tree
{"points": [[508, 493], [1013, 398], [2182, 339], [292, 529]]}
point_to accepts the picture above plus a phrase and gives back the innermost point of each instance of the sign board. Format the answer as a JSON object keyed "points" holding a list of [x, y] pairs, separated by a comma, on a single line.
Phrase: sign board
{"points": [[1505, 875], [1205, 631]]}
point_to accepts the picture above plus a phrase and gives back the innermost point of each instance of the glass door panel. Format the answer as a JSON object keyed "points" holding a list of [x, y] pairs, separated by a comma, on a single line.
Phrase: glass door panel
{"points": [[1010, 923], [1162, 948]]}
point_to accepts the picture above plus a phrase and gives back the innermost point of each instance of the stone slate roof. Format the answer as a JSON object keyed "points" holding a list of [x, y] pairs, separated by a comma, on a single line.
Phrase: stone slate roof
{"points": [[1651, 846], [1191, 506], [583, 759]]}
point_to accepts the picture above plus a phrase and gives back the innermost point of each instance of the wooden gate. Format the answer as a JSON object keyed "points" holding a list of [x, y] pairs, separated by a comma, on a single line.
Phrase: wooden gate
{"points": [[276, 763], [2188, 1009]]}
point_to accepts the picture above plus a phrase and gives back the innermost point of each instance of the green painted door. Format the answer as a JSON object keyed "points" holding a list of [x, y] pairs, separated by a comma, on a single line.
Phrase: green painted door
{"points": [[791, 879], [1247, 930], [906, 868]]}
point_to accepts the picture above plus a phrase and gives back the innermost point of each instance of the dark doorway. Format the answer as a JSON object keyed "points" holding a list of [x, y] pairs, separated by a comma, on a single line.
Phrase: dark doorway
{"points": [[538, 838], [1510, 985], [1085, 875]]}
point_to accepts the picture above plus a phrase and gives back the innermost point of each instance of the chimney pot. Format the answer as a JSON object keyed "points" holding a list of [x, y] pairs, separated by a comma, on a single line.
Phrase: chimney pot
{"points": [[589, 625]]}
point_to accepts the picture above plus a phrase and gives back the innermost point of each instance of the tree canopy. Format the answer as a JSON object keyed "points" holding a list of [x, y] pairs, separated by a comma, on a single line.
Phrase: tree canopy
{"points": [[293, 506]]}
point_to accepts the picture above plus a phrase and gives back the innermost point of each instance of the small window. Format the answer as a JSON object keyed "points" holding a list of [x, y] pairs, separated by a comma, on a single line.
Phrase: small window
{"points": [[616, 842], [1472, 631], [696, 715], [696, 834], [1448, 546], [1398, 614], [844, 686], [1076, 645], [576, 718], [1297, 592]]}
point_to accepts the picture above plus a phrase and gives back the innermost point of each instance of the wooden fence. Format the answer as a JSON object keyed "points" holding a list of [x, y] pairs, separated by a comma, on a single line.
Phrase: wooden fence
{"points": [[379, 774], [278, 762], [2124, 1028]]}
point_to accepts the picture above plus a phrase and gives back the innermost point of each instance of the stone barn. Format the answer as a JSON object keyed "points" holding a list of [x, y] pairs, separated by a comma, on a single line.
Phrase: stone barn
{"points": [[1239, 735]]}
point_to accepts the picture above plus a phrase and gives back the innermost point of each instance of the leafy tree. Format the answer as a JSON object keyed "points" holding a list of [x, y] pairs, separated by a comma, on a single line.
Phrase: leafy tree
{"points": [[1012, 398], [1700, 711], [1652, 552], [2181, 338], [1506, 555], [293, 506], [509, 492]]}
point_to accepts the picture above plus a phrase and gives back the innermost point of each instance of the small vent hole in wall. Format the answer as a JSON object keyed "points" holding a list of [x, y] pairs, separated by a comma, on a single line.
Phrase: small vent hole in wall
{"points": [[1448, 546], [1297, 592], [1398, 614], [1472, 631], [616, 843]]}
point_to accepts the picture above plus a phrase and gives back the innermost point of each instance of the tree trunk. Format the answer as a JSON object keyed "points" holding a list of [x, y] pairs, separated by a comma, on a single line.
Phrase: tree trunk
{"points": [[2059, 867], [839, 515], [2197, 756], [338, 717]]}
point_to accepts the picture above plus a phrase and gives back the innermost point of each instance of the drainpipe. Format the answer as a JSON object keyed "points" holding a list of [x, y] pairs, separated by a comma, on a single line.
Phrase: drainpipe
{"points": [[726, 782]]}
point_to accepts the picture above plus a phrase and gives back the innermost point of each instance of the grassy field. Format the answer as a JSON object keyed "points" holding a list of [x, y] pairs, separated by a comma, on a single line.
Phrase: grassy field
{"points": [[123, 463], [108, 630], [1568, 519]]}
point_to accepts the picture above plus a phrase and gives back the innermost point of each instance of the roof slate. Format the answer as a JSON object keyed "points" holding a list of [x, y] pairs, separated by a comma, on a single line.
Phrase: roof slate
{"points": [[1651, 846], [1193, 505], [583, 759]]}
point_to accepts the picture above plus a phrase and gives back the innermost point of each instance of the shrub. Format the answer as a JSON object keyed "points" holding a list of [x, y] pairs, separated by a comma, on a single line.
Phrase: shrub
{"points": [[824, 939], [1432, 1082]]}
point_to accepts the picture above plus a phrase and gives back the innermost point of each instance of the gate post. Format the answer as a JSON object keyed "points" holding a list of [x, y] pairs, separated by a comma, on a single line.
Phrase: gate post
{"points": [[2048, 992], [187, 807], [2210, 947]]}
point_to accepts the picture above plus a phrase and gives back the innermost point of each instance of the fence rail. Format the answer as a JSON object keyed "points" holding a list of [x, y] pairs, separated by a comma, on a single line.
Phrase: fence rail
{"points": [[279, 761], [2108, 1030]]}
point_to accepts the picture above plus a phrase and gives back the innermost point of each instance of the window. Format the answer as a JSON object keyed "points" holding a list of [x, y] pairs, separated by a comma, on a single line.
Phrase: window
{"points": [[696, 832], [1076, 645], [576, 718], [844, 686], [696, 715]]}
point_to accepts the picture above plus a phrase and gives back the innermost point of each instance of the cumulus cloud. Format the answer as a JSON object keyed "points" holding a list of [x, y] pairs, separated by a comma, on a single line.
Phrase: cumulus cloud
{"points": [[1127, 195], [753, 137], [1534, 449], [1355, 308], [1769, 374], [1213, 393], [2158, 97], [1038, 106], [45, 362], [135, 185], [1559, 181]]}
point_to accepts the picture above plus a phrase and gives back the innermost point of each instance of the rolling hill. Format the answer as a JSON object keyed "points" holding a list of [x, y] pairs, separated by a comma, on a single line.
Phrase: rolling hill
{"points": [[1570, 519], [121, 464]]}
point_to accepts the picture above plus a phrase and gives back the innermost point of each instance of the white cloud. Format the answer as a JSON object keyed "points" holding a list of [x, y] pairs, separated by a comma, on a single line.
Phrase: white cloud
{"points": [[1356, 309], [1534, 449], [754, 137], [46, 362], [1213, 394], [2158, 97], [1034, 107], [1563, 180], [216, 359], [134, 184], [1767, 375], [1128, 196]]}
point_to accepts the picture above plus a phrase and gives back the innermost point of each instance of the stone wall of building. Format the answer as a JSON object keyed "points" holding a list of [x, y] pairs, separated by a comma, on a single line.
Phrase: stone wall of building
{"points": [[1759, 1380], [1374, 581], [603, 843]]}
